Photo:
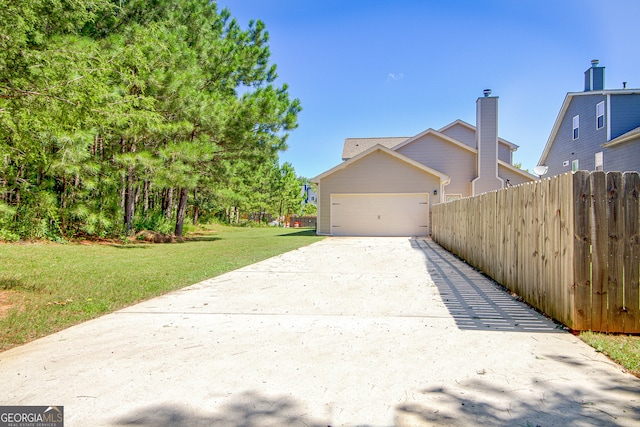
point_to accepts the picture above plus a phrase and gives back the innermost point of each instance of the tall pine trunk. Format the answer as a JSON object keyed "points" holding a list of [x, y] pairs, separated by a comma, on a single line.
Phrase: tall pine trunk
{"points": [[129, 204], [182, 210], [130, 194], [196, 208], [167, 202], [145, 197]]}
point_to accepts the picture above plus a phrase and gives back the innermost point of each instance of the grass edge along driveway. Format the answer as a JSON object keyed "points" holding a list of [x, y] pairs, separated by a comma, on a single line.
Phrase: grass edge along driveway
{"points": [[47, 287]]}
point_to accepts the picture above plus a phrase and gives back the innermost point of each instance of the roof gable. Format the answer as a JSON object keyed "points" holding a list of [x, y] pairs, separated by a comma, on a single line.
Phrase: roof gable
{"points": [[436, 134], [465, 125], [563, 111], [354, 146], [556, 126], [462, 131], [443, 177]]}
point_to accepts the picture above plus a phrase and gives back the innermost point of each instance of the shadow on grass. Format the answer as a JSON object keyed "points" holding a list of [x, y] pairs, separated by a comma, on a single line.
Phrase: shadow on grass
{"points": [[246, 410], [136, 245], [202, 238], [147, 245], [12, 284], [309, 232]]}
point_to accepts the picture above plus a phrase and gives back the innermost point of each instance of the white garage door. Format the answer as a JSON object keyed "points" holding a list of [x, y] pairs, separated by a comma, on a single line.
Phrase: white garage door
{"points": [[379, 214]]}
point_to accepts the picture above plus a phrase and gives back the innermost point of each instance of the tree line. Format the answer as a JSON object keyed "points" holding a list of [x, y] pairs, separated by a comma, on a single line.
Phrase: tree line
{"points": [[123, 115]]}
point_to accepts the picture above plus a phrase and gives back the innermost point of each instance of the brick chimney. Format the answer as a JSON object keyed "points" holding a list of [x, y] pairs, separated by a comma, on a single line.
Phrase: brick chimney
{"points": [[594, 77], [487, 144]]}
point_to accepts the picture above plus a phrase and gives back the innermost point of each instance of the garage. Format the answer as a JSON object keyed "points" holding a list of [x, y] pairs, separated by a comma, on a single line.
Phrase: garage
{"points": [[380, 214], [379, 192]]}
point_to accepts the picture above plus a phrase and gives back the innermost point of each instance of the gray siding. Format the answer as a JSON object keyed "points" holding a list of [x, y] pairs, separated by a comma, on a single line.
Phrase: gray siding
{"points": [[624, 157], [456, 162], [589, 141], [625, 113], [462, 134], [513, 177], [487, 141], [377, 172], [625, 116], [505, 153], [468, 136], [594, 79]]}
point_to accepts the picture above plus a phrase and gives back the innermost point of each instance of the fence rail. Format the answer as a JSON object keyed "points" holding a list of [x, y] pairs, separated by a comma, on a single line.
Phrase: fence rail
{"points": [[569, 245]]}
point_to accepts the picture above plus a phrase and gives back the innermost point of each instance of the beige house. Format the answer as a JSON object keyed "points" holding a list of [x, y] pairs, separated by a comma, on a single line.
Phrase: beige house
{"points": [[385, 186]]}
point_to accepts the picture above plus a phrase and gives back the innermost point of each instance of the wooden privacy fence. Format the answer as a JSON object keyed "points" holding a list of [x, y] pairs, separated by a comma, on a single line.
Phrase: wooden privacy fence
{"points": [[569, 245]]}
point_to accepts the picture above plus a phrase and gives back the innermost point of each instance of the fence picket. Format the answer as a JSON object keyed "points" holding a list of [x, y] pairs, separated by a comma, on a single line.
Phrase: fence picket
{"points": [[582, 246], [567, 249], [615, 289], [599, 251], [570, 245], [632, 252], [553, 273]]}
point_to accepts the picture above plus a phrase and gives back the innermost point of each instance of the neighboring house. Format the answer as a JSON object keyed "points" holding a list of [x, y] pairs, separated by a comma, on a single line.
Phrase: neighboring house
{"points": [[385, 186], [598, 129]]}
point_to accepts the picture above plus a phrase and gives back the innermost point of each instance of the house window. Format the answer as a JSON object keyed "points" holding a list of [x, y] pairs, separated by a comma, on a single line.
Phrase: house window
{"points": [[599, 115], [575, 165], [451, 197], [599, 161], [576, 127]]}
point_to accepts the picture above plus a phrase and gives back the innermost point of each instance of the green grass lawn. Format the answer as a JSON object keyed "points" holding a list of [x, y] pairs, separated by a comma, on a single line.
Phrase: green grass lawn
{"points": [[623, 349], [46, 287]]}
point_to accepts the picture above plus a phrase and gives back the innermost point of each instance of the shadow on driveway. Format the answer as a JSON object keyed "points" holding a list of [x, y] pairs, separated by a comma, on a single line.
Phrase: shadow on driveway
{"points": [[474, 301], [249, 409], [440, 406], [483, 403]]}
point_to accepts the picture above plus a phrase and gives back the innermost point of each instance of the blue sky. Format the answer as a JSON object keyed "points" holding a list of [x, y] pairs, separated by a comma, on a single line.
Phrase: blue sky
{"points": [[369, 68]]}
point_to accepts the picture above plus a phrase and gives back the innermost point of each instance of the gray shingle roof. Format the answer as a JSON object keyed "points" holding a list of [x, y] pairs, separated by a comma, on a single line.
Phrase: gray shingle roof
{"points": [[632, 134], [354, 146]]}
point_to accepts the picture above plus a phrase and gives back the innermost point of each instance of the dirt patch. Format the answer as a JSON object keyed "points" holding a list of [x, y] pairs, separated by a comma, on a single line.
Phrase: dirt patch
{"points": [[154, 237], [5, 302]]}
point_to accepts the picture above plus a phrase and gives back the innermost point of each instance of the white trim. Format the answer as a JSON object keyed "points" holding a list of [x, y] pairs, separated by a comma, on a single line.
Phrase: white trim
{"points": [[608, 117], [598, 115], [517, 170], [599, 160], [438, 134], [511, 145], [555, 128], [318, 207], [346, 163], [633, 134]]}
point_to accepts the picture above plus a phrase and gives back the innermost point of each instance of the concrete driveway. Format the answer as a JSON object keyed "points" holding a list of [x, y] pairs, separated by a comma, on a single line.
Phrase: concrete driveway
{"points": [[344, 332]]}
